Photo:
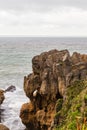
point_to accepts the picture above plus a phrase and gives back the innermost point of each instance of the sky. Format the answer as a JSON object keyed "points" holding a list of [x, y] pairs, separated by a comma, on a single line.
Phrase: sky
{"points": [[43, 18]]}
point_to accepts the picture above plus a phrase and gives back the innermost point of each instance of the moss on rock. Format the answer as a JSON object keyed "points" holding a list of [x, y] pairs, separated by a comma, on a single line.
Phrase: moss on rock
{"points": [[74, 109]]}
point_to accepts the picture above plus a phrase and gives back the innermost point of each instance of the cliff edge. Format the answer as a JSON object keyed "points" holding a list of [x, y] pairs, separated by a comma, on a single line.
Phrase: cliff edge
{"points": [[56, 78]]}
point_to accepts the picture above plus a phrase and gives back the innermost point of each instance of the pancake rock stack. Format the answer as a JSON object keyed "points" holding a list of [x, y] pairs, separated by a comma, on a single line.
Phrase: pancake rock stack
{"points": [[53, 72]]}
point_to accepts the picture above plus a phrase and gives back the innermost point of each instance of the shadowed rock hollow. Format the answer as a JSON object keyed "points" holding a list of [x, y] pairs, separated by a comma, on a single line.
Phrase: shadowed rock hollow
{"points": [[53, 72]]}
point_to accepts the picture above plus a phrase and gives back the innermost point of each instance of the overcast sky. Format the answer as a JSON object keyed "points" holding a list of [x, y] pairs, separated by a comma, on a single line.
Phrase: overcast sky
{"points": [[43, 17]]}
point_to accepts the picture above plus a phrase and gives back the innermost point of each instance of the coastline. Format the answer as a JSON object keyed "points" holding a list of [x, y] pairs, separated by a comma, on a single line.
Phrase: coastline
{"points": [[16, 62]]}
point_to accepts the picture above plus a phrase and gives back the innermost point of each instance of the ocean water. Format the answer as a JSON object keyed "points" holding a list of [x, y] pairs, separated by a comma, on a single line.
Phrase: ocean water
{"points": [[16, 55]]}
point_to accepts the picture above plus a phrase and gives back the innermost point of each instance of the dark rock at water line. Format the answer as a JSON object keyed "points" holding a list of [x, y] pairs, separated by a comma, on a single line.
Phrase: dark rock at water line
{"points": [[2, 97], [1, 115], [10, 89]]}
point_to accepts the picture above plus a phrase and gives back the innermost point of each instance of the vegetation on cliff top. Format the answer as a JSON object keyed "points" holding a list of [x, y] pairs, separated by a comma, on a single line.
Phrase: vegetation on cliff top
{"points": [[72, 113]]}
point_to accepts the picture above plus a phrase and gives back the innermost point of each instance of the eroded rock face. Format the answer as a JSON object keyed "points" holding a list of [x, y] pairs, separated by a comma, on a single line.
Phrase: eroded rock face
{"points": [[53, 72], [3, 127]]}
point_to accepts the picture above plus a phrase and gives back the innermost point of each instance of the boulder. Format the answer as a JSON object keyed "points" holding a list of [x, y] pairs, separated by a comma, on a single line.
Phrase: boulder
{"points": [[3, 127], [10, 89], [28, 117]]}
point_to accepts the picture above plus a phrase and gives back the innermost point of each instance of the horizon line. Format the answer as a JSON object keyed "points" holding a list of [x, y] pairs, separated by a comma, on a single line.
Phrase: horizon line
{"points": [[44, 36]]}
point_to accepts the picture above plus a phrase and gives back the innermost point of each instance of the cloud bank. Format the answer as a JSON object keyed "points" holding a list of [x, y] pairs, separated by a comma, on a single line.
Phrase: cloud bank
{"points": [[43, 17]]}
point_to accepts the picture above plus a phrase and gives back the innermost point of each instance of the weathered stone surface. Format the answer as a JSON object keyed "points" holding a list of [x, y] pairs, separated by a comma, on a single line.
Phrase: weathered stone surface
{"points": [[53, 72], [77, 57], [3, 127], [2, 97]]}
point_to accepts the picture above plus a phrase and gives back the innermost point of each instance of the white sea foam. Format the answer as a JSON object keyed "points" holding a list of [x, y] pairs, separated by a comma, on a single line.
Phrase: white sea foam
{"points": [[11, 105]]}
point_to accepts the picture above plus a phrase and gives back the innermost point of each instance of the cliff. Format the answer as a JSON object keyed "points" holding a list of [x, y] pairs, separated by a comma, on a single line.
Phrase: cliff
{"points": [[53, 89]]}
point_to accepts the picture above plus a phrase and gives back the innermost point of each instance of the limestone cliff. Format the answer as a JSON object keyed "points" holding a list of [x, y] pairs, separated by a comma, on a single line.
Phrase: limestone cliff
{"points": [[53, 73]]}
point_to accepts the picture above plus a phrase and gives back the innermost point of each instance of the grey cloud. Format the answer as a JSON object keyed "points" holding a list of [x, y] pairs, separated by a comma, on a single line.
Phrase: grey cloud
{"points": [[40, 5], [51, 17]]}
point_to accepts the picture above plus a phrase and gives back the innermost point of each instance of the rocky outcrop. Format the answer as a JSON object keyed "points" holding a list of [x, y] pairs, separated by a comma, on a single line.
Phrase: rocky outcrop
{"points": [[53, 73], [3, 127], [9, 89], [2, 97]]}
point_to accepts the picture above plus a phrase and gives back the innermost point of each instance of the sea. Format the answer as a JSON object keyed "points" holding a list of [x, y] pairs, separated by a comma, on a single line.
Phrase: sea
{"points": [[16, 55]]}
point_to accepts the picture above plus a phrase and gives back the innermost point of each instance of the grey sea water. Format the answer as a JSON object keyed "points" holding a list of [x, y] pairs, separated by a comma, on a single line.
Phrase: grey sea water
{"points": [[16, 54]]}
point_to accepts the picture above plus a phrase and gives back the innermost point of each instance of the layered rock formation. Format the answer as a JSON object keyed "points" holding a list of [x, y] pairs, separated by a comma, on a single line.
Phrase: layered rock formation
{"points": [[53, 73]]}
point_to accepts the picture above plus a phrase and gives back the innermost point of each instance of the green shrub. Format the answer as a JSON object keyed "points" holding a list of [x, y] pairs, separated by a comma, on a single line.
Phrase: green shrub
{"points": [[71, 108], [72, 125]]}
